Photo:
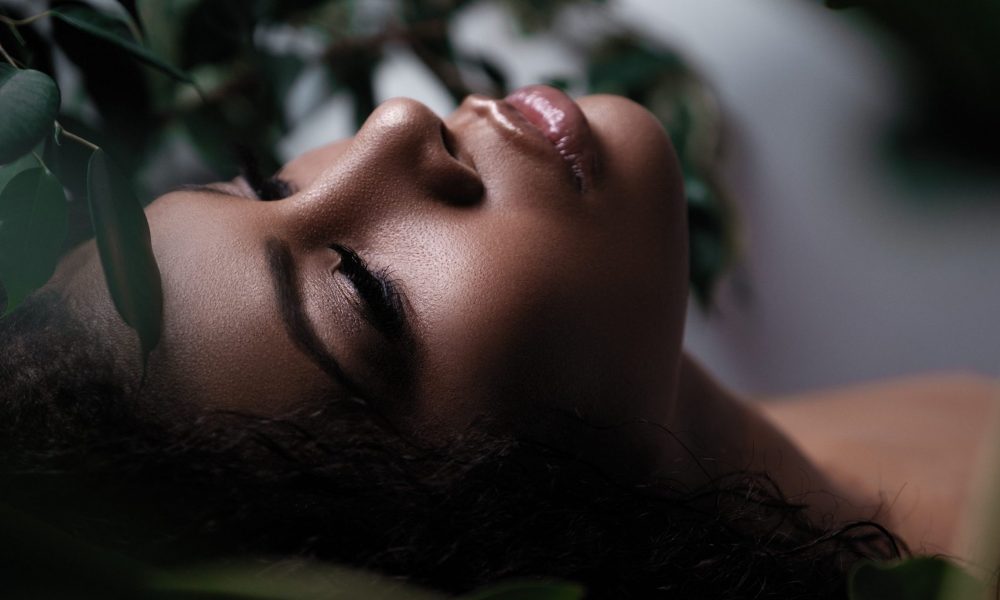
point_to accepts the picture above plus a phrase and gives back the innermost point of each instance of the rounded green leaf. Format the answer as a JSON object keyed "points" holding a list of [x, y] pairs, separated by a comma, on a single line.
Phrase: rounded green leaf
{"points": [[126, 251], [33, 226], [11, 169], [29, 103]]}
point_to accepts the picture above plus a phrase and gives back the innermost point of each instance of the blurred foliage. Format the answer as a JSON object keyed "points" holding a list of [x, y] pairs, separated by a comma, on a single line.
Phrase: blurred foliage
{"points": [[920, 578], [126, 87], [662, 81], [953, 52], [38, 561]]}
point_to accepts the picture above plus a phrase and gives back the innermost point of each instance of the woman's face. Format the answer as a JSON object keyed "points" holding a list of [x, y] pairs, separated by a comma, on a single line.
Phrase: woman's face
{"points": [[525, 259]]}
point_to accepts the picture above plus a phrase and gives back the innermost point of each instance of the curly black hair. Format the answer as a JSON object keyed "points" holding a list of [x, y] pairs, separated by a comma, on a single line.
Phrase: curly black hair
{"points": [[338, 485]]}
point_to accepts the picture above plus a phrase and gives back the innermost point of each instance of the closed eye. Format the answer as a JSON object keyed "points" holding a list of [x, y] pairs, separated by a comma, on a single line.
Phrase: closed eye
{"points": [[382, 297], [264, 187]]}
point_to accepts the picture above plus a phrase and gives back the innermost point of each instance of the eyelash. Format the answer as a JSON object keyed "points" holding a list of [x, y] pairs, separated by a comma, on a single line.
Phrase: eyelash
{"points": [[263, 187], [378, 289]]}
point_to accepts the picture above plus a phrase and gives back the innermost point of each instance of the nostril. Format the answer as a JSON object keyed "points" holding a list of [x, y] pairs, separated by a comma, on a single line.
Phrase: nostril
{"points": [[448, 139], [460, 182]]}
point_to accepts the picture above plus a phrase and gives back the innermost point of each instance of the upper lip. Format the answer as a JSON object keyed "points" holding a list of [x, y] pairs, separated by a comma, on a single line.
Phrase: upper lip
{"points": [[515, 123]]}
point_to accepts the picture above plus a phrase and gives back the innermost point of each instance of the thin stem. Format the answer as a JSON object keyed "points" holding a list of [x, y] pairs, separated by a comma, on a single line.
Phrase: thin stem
{"points": [[8, 57], [79, 140], [40, 161], [26, 20]]}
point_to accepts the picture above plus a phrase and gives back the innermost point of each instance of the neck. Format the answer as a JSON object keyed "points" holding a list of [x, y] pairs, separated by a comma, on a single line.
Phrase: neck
{"points": [[729, 435]]}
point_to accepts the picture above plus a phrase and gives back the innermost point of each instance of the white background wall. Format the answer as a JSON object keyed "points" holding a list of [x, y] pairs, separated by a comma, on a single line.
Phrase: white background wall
{"points": [[848, 272]]}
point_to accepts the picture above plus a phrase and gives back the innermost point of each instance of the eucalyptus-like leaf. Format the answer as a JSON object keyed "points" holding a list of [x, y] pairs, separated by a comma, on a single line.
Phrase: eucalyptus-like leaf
{"points": [[10, 170], [29, 103], [123, 241], [529, 590], [33, 227], [114, 30], [919, 578]]}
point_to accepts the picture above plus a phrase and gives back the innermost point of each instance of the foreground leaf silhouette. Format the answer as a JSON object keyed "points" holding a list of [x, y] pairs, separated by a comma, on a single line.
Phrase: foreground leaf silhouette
{"points": [[919, 578], [111, 29], [33, 224], [29, 103], [123, 241]]}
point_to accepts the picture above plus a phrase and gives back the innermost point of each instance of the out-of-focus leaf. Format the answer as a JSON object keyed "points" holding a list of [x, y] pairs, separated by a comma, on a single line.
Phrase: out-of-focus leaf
{"points": [[495, 80], [529, 590], [24, 44], [161, 23], [281, 71], [68, 162], [8, 171], [106, 72], [32, 230], [109, 29], [660, 80], [29, 103], [914, 579], [126, 251], [534, 16], [952, 54], [289, 10], [217, 31], [353, 69], [710, 239], [291, 581], [132, 10], [38, 560]]}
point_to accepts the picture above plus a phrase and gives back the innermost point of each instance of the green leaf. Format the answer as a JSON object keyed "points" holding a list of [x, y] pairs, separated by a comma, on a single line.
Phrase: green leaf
{"points": [[29, 103], [285, 581], [40, 560], [529, 590], [110, 29], [126, 251], [33, 227], [915, 579], [10, 170]]}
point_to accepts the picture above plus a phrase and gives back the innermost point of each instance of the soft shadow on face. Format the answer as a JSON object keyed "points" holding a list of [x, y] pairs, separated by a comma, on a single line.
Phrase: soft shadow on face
{"points": [[510, 295]]}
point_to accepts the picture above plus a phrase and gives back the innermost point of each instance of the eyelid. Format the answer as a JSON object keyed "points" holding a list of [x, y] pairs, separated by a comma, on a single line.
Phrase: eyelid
{"points": [[380, 293], [266, 190]]}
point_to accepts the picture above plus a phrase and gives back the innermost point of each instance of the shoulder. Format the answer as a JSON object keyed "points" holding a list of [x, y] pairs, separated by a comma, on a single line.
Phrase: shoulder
{"points": [[911, 444]]}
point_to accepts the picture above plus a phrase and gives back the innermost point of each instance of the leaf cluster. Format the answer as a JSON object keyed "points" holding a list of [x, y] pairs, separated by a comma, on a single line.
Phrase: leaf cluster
{"points": [[34, 209], [41, 561]]}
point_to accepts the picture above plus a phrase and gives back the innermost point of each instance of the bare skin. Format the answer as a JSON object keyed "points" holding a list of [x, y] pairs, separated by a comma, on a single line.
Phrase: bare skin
{"points": [[535, 301], [912, 444]]}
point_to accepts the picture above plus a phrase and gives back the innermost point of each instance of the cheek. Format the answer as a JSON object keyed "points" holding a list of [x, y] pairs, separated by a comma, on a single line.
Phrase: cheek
{"points": [[223, 346]]}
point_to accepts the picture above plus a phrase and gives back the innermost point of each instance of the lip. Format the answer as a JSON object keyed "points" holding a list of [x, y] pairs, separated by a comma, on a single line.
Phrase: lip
{"points": [[562, 123]]}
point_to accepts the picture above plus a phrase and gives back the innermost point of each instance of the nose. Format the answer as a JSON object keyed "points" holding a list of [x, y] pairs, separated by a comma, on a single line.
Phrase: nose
{"points": [[400, 161]]}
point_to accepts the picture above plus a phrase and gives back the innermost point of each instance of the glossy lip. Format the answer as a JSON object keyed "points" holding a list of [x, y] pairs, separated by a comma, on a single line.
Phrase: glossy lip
{"points": [[562, 123]]}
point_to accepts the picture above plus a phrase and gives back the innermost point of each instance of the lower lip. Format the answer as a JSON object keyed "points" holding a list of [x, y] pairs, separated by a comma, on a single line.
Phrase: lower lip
{"points": [[563, 124]]}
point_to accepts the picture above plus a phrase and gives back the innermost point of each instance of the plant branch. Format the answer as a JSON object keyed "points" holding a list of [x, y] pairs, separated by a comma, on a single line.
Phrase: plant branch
{"points": [[24, 21], [40, 161], [8, 57], [79, 140]]}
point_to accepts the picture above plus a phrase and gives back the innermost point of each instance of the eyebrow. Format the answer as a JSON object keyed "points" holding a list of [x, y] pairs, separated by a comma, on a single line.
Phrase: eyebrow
{"points": [[297, 323]]}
